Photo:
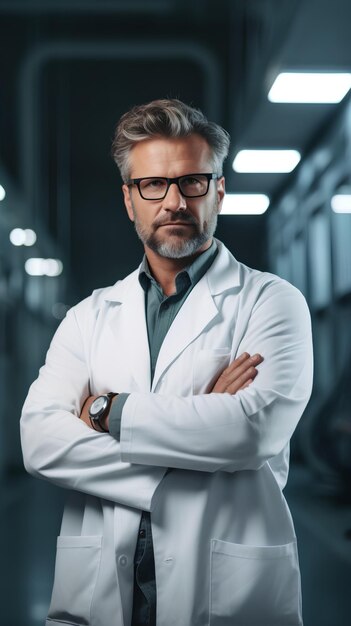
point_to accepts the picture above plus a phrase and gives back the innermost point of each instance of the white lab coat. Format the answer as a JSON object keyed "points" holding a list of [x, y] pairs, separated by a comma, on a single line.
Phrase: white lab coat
{"points": [[224, 541]]}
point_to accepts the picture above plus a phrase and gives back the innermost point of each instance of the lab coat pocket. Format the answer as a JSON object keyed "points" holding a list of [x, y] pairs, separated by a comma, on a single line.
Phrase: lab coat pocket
{"points": [[208, 365], [254, 585], [76, 571]]}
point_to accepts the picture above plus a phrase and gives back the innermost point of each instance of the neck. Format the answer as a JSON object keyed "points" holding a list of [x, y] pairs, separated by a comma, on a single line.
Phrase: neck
{"points": [[165, 270]]}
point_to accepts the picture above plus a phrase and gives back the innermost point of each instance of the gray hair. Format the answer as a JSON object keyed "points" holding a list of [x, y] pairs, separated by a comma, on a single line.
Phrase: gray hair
{"points": [[166, 118]]}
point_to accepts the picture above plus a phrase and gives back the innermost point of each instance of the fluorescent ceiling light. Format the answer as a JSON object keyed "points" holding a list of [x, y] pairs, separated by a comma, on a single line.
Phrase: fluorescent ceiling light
{"points": [[266, 161], [310, 87], [341, 203], [30, 237], [2, 193], [17, 237], [21, 237], [43, 267], [244, 204]]}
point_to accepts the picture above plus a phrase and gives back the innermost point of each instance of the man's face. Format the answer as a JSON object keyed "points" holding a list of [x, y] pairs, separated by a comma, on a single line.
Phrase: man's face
{"points": [[174, 227]]}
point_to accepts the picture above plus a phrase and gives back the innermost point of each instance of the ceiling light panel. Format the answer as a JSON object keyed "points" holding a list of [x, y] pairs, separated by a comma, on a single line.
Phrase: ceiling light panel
{"points": [[341, 203], [266, 161], [21, 237], [43, 267], [244, 204], [310, 87]]}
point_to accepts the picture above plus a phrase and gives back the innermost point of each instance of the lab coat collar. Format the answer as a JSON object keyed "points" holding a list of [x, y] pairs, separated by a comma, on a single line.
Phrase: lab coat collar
{"points": [[223, 274], [129, 325]]}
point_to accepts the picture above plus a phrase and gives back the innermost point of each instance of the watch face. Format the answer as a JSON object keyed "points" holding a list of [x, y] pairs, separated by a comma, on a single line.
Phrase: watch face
{"points": [[98, 406]]}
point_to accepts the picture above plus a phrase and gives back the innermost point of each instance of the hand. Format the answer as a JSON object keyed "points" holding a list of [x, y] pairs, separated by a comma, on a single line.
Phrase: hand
{"points": [[238, 375]]}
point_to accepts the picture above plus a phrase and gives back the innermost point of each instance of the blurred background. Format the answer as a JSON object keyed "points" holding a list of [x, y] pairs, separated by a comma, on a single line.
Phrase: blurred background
{"points": [[276, 74]]}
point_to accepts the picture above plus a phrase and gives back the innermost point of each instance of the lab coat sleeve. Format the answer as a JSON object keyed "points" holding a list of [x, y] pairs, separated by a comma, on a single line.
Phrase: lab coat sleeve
{"points": [[59, 447], [211, 432]]}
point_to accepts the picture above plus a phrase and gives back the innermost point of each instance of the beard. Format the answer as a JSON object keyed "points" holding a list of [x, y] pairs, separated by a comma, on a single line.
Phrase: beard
{"points": [[178, 244]]}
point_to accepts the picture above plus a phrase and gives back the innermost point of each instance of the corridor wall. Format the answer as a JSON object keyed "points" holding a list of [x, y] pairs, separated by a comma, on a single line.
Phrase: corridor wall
{"points": [[310, 246]]}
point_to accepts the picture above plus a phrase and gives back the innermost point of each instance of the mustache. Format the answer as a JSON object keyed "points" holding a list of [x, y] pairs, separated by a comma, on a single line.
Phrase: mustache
{"points": [[179, 216]]}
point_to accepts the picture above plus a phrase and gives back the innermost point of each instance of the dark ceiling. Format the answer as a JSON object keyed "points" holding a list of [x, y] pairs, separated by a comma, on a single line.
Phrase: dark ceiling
{"points": [[69, 69]]}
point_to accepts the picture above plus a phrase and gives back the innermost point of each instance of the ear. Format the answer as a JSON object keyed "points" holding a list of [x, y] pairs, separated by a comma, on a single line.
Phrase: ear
{"points": [[220, 193], [128, 202]]}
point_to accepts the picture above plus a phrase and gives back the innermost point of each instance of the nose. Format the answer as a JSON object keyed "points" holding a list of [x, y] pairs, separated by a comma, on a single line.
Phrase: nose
{"points": [[174, 201]]}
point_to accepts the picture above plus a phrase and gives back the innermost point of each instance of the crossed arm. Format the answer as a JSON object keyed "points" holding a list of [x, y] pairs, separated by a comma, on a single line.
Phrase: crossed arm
{"points": [[238, 375], [68, 452], [238, 426]]}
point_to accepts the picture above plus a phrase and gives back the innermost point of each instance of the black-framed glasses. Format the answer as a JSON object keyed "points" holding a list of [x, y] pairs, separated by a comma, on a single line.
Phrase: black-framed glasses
{"points": [[189, 185]]}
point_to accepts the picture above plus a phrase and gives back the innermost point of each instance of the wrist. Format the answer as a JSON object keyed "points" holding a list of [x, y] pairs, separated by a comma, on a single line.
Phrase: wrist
{"points": [[99, 411]]}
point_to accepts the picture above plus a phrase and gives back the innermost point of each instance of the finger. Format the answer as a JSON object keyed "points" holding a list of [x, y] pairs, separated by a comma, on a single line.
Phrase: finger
{"points": [[250, 374], [246, 372], [242, 365], [231, 384], [236, 369], [232, 373], [238, 361], [245, 360], [248, 382]]}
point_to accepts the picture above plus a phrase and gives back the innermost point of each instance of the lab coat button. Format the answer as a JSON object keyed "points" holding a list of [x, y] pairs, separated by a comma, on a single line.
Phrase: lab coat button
{"points": [[122, 560]]}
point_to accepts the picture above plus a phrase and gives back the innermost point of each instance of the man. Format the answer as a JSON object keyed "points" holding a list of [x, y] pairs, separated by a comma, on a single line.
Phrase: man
{"points": [[176, 466]]}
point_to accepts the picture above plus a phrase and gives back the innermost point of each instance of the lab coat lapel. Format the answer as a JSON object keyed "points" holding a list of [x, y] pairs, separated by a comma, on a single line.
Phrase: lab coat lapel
{"points": [[128, 324], [196, 313], [128, 321]]}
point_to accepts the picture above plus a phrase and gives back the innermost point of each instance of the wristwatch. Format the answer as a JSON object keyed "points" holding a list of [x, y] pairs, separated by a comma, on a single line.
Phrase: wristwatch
{"points": [[99, 409]]}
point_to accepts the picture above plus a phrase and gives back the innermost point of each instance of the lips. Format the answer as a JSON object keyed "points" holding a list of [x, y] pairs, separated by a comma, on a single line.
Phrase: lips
{"points": [[176, 224], [183, 223]]}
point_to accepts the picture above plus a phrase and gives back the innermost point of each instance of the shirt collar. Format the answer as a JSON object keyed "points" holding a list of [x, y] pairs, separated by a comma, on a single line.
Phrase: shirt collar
{"points": [[188, 276]]}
